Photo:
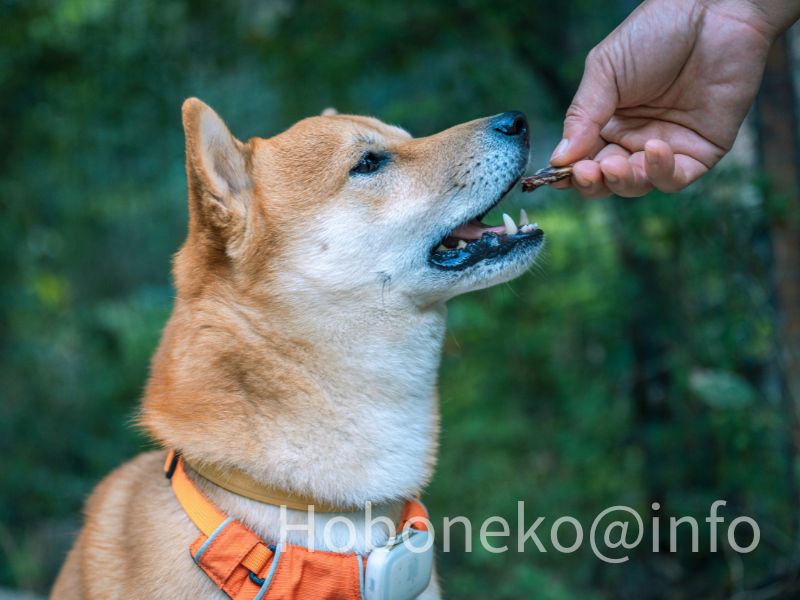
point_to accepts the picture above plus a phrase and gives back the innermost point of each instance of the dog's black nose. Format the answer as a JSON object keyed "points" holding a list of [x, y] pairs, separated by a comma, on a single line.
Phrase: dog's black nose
{"points": [[511, 124]]}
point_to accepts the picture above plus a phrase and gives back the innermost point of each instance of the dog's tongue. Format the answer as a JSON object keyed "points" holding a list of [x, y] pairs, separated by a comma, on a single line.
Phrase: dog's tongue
{"points": [[474, 230]]}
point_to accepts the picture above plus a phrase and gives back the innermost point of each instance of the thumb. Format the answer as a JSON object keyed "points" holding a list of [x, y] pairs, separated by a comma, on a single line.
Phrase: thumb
{"points": [[591, 109]]}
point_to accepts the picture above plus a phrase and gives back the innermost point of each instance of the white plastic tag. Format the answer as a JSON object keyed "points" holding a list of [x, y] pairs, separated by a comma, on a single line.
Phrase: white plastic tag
{"points": [[402, 569]]}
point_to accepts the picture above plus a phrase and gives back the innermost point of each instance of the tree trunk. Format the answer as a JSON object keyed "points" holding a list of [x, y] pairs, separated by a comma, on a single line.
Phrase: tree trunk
{"points": [[780, 161]]}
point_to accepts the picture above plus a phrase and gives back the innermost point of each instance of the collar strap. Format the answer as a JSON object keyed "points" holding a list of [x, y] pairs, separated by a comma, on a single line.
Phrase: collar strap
{"points": [[239, 482], [243, 567], [205, 515]]}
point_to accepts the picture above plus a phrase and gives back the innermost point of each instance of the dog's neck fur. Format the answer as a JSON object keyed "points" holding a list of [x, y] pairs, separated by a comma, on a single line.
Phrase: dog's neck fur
{"points": [[281, 358], [341, 407]]}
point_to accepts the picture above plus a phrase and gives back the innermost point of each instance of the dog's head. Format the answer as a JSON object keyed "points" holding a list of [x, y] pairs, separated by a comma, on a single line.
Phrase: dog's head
{"points": [[339, 205]]}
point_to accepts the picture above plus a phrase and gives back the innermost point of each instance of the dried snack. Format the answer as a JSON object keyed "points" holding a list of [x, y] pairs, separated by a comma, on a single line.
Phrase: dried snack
{"points": [[545, 176]]}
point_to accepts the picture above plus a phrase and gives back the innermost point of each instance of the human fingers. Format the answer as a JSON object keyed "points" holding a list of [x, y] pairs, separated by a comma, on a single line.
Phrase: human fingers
{"points": [[587, 179], [588, 176], [669, 172], [623, 177]]}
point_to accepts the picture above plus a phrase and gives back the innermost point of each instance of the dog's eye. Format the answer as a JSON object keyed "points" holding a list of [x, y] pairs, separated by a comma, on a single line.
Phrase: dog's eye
{"points": [[369, 163]]}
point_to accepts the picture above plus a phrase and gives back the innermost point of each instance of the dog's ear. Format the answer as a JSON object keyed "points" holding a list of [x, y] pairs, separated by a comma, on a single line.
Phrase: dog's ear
{"points": [[329, 112], [215, 163]]}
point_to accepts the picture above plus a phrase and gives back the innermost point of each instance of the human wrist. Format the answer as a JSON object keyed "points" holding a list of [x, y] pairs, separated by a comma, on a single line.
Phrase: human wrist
{"points": [[769, 17], [776, 16]]}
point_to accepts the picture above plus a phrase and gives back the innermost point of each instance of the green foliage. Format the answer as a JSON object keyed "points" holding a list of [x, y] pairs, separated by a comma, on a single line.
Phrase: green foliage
{"points": [[636, 363], [536, 391]]}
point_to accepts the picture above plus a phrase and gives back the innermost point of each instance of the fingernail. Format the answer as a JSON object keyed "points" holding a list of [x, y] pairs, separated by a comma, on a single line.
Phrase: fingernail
{"points": [[651, 158], [612, 178], [561, 149]]}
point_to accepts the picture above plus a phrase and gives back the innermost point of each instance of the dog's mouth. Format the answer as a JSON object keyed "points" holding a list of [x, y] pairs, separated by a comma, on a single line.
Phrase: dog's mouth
{"points": [[474, 241]]}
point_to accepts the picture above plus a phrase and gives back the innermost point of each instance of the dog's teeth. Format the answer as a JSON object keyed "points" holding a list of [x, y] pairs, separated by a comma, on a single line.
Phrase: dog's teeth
{"points": [[523, 217], [511, 227], [529, 228], [442, 248], [461, 244]]}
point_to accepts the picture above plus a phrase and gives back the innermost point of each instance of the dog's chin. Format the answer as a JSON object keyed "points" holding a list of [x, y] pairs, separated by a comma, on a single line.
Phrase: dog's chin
{"points": [[501, 259]]}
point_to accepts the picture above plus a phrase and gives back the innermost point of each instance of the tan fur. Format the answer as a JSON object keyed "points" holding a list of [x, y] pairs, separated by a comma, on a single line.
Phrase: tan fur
{"points": [[285, 355]]}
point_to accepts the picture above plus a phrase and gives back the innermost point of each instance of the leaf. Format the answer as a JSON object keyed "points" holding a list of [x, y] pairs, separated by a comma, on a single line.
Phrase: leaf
{"points": [[721, 389]]}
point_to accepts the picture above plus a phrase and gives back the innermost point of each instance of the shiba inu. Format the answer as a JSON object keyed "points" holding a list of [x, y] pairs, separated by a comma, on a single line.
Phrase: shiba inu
{"points": [[306, 335]]}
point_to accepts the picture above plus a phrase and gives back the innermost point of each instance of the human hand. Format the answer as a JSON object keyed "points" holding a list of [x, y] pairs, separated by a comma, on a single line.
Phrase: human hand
{"points": [[663, 96]]}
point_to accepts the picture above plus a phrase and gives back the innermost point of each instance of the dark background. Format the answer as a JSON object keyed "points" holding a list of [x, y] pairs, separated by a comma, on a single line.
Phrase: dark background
{"points": [[652, 356]]}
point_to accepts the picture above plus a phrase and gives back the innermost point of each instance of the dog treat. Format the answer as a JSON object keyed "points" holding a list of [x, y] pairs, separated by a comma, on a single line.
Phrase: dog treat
{"points": [[545, 176]]}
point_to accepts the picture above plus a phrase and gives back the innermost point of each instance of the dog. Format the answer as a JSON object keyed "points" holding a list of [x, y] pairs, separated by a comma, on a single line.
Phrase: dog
{"points": [[306, 334]]}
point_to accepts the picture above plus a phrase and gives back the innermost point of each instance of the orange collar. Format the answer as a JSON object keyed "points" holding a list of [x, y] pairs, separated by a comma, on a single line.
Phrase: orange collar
{"points": [[244, 567]]}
